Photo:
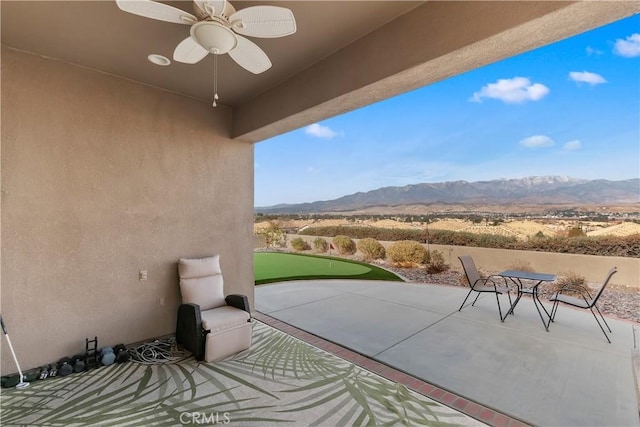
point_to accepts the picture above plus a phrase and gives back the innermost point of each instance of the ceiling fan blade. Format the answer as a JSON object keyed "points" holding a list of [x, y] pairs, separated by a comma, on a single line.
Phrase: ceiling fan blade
{"points": [[155, 10], [249, 56], [264, 21], [189, 52]]}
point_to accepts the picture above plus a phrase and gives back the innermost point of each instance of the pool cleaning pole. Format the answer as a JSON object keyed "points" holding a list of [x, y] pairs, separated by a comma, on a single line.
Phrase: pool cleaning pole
{"points": [[22, 383]]}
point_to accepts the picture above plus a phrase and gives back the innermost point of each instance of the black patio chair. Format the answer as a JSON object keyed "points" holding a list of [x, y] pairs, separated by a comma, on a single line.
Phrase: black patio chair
{"points": [[584, 301], [483, 284]]}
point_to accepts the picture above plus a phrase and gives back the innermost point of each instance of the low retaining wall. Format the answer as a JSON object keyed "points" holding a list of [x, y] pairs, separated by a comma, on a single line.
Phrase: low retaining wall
{"points": [[592, 267]]}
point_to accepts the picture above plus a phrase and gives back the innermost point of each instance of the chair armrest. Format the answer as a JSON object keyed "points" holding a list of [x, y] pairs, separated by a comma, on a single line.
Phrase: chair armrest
{"points": [[482, 282], [238, 301], [189, 331], [581, 290], [497, 276], [488, 281]]}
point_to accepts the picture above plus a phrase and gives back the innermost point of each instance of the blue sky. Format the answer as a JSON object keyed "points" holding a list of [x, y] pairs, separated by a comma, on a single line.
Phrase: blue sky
{"points": [[571, 108]]}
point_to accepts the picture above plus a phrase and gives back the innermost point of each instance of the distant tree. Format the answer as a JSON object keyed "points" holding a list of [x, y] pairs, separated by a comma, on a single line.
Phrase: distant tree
{"points": [[273, 234]]}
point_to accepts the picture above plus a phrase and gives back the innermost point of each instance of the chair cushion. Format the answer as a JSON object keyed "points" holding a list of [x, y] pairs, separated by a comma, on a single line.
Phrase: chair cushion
{"points": [[201, 282], [222, 318], [207, 292], [199, 267]]}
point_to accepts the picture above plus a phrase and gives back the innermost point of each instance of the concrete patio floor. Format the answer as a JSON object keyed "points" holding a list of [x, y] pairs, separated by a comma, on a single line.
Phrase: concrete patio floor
{"points": [[569, 376]]}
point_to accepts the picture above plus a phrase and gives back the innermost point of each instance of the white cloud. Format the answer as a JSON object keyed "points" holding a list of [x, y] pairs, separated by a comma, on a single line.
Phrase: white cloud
{"points": [[512, 91], [586, 77], [629, 47], [572, 145], [592, 51], [537, 141], [320, 131]]}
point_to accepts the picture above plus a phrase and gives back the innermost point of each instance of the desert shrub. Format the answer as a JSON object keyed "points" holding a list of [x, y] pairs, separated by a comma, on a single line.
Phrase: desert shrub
{"points": [[576, 232], [435, 262], [320, 245], [539, 235], [359, 232], [572, 282], [623, 246], [371, 249], [299, 244], [407, 253], [344, 245], [520, 265], [492, 241]]}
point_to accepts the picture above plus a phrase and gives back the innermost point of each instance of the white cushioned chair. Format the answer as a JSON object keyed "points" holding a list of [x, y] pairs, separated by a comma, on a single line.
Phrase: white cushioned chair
{"points": [[210, 325]]}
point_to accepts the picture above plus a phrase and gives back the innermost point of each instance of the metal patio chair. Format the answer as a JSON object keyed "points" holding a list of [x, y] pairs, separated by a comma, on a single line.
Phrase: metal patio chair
{"points": [[584, 301], [483, 284]]}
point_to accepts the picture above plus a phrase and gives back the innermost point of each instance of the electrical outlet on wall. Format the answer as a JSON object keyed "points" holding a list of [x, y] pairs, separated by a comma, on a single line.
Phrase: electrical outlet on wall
{"points": [[142, 275]]}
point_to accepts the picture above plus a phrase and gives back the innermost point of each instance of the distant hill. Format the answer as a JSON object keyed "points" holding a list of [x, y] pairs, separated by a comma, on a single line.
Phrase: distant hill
{"points": [[532, 190]]}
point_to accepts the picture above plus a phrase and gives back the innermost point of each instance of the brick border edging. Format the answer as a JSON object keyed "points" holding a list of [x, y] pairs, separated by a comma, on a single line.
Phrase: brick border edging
{"points": [[445, 397]]}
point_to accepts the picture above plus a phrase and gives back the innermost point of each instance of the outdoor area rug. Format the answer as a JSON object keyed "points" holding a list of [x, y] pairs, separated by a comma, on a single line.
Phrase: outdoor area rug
{"points": [[279, 381]]}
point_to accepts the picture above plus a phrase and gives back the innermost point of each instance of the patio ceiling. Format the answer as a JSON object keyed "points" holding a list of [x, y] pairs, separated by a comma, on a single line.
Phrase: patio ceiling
{"points": [[345, 54]]}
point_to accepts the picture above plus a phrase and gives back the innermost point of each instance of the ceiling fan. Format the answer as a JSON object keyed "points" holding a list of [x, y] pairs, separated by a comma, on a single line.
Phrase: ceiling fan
{"points": [[217, 28]]}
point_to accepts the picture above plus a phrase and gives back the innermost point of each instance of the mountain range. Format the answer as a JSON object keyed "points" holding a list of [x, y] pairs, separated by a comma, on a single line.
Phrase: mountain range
{"points": [[541, 190]]}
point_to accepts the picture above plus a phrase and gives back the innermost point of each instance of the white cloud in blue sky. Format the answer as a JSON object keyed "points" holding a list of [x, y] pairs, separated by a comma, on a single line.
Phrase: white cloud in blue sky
{"points": [[320, 131], [572, 145], [593, 51], [587, 77], [537, 141], [512, 91], [629, 47]]}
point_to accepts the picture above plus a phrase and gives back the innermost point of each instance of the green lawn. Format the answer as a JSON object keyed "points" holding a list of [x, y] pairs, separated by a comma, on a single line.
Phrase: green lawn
{"points": [[277, 267]]}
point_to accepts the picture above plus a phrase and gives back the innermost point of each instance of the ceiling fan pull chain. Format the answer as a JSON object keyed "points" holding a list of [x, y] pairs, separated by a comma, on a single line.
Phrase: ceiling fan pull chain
{"points": [[215, 80]]}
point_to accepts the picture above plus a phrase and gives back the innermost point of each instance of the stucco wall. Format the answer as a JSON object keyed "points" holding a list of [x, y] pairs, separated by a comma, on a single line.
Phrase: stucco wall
{"points": [[593, 268], [102, 178]]}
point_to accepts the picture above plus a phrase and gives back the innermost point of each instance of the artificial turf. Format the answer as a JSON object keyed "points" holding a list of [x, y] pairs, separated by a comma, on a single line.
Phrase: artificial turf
{"points": [[278, 267]]}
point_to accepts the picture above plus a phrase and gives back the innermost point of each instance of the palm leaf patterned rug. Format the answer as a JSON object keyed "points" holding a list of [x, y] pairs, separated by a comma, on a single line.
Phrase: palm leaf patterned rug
{"points": [[279, 381]]}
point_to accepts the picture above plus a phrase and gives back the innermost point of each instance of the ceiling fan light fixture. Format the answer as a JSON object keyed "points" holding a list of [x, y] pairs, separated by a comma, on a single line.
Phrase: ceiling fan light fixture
{"points": [[159, 59], [214, 37]]}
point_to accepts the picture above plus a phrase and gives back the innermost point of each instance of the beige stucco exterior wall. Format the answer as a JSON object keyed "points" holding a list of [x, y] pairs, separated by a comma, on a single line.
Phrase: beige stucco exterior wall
{"points": [[593, 268], [102, 178]]}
